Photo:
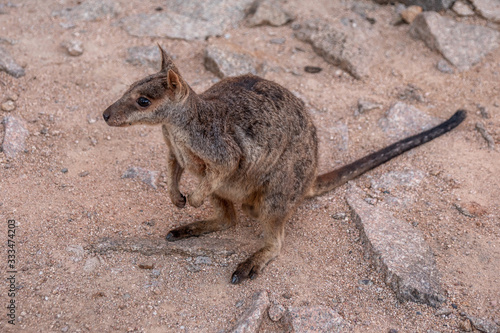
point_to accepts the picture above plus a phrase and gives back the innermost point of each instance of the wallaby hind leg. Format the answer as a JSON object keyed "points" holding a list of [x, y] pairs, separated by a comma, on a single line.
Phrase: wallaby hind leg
{"points": [[225, 217], [274, 234]]}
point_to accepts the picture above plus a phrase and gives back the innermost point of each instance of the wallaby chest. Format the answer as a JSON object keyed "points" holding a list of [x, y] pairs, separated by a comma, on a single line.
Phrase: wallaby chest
{"points": [[178, 143]]}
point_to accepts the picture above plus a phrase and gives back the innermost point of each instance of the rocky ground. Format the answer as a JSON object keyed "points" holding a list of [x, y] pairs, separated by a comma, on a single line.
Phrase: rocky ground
{"points": [[412, 246]]}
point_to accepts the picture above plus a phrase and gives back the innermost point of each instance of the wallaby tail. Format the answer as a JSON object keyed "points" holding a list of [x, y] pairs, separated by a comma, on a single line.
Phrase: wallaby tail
{"points": [[328, 181]]}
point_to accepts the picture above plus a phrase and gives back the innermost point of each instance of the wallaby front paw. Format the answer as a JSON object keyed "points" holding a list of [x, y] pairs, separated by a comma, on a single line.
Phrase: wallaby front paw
{"points": [[195, 200], [179, 200]]}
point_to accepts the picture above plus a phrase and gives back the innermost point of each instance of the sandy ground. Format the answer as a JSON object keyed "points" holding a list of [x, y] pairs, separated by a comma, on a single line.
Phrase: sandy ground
{"points": [[322, 263]]}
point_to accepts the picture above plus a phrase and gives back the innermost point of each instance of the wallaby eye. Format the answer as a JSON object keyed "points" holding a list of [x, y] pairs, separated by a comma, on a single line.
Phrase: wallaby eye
{"points": [[143, 101]]}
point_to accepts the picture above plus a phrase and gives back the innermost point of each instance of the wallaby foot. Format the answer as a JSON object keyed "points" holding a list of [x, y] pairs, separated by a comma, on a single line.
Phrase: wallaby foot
{"points": [[225, 217], [274, 229], [250, 268]]}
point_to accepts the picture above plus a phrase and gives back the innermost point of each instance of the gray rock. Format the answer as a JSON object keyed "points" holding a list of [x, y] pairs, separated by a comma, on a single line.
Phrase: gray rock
{"points": [[91, 264], [15, 136], [397, 250], [202, 260], [340, 46], [463, 45], [489, 9], [190, 247], [339, 134], [444, 311], [483, 325], [410, 92], [486, 135], [278, 41], [314, 319], [78, 252], [144, 56], [146, 176], [90, 10], [403, 120], [435, 5], [276, 311], [251, 320], [268, 12], [188, 19], [9, 65], [394, 179], [443, 66], [73, 47], [462, 9], [227, 59], [365, 105]]}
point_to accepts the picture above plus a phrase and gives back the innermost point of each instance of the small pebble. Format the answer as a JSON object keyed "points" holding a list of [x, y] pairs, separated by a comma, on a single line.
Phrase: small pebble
{"points": [[276, 312], [443, 311], [84, 174], [312, 69], [365, 105], [366, 282], [8, 106], [146, 265], [483, 111], [466, 326], [278, 41], [64, 170], [73, 47], [410, 13], [339, 216], [443, 66]]}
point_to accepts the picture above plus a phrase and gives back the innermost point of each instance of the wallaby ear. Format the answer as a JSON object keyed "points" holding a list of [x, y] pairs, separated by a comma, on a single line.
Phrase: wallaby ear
{"points": [[166, 61], [173, 81]]}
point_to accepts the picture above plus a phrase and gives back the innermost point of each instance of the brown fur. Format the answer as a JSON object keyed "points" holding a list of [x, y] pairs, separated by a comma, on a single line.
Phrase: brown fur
{"points": [[249, 141]]}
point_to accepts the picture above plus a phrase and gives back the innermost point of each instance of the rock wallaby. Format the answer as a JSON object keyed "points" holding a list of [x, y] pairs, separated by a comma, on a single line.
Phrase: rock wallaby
{"points": [[250, 142]]}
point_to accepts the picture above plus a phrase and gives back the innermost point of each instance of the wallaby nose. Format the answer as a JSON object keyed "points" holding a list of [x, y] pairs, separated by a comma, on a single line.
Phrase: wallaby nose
{"points": [[106, 116]]}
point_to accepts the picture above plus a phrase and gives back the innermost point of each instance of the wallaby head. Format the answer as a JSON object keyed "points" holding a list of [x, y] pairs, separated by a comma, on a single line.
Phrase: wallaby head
{"points": [[150, 100]]}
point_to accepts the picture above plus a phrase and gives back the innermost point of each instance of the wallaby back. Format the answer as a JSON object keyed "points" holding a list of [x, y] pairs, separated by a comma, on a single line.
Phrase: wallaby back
{"points": [[330, 180]]}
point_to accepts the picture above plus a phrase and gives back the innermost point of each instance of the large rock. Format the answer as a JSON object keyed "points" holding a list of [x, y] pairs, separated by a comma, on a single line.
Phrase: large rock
{"points": [[90, 10], [483, 325], [344, 47], [489, 9], [403, 120], [15, 136], [144, 56], [397, 250], [9, 65], [268, 12], [191, 247], [228, 59], [318, 319], [251, 320], [463, 45], [188, 19], [392, 180], [339, 134]]}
